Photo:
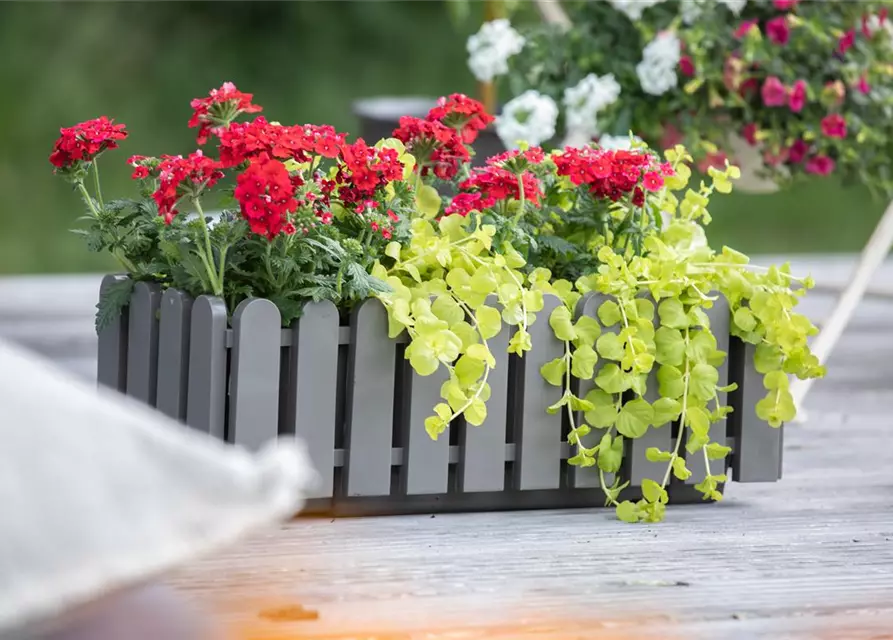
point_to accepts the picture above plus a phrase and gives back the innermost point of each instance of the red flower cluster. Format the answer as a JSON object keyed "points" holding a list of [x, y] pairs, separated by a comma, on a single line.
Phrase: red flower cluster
{"points": [[491, 184], [85, 141], [834, 126], [778, 31], [436, 147], [464, 114], [140, 170], [179, 176], [613, 173], [266, 195], [364, 169], [243, 141], [220, 108]]}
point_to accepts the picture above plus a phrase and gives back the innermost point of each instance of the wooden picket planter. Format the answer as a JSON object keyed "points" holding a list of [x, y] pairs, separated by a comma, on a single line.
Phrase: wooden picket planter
{"points": [[350, 395]]}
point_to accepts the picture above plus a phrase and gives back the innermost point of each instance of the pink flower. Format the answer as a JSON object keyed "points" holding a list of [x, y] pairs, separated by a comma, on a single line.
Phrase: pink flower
{"points": [[778, 31], [749, 132], [772, 159], [798, 151], [797, 98], [847, 41], [820, 165], [863, 85], [834, 126], [686, 66], [745, 27], [774, 92], [653, 181], [785, 5]]}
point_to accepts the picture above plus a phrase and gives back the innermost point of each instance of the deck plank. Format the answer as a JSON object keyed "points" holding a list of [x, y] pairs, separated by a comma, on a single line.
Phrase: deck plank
{"points": [[808, 557]]}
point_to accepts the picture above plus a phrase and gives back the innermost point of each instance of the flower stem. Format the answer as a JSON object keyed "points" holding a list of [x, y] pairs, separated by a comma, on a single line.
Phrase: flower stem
{"points": [[208, 254], [96, 182], [686, 377], [87, 198], [520, 214]]}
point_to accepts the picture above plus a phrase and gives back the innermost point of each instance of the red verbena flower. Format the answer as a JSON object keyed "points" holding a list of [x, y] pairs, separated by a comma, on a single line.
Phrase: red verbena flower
{"points": [[653, 181], [179, 177], [820, 165], [364, 170], [686, 66], [266, 195], [774, 92], [465, 203], [834, 126], [220, 108], [846, 41], [785, 5], [85, 141], [437, 148], [466, 115], [797, 97], [495, 184], [611, 173], [797, 152], [778, 31]]}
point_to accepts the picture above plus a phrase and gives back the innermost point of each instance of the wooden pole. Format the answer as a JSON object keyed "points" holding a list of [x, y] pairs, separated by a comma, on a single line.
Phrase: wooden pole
{"points": [[493, 10]]}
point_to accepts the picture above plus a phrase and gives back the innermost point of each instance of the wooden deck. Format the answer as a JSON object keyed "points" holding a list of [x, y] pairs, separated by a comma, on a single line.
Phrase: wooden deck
{"points": [[808, 557]]}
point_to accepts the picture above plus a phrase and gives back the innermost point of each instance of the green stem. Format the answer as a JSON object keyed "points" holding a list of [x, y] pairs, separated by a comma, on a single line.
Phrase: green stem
{"points": [[208, 257], [477, 394], [89, 200], [520, 214], [686, 377], [96, 182]]}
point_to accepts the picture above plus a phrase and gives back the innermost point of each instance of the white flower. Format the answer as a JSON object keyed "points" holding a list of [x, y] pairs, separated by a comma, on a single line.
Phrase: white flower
{"points": [[633, 8], [873, 25], [735, 6], [617, 142], [691, 10], [528, 118], [586, 99], [657, 70], [490, 48]]}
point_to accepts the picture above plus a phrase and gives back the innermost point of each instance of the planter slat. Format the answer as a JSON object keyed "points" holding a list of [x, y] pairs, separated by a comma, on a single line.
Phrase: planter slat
{"points": [[537, 433], [482, 449], [758, 447], [254, 391], [425, 468], [719, 325], [206, 403], [313, 389], [637, 466], [173, 353], [142, 342], [370, 403], [588, 477], [112, 346]]}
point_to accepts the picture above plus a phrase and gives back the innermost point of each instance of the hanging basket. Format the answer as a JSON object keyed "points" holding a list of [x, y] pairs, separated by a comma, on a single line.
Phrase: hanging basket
{"points": [[748, 158]]}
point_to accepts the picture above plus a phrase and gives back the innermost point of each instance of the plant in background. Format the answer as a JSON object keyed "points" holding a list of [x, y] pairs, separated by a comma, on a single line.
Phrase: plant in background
{"points": [[305, 214], [807, 85]]}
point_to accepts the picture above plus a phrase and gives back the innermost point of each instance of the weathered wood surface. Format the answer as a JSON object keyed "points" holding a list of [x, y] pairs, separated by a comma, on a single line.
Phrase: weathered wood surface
{"points": [[808, 557]]}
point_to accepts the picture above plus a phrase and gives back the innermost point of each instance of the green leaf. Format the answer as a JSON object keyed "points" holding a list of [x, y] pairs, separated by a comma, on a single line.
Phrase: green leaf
{"points": [[653, 492], [112, 302], [680, 470], [481, 352], [653, 454], [701, 346], [672, 314], [634, 418], [427, 201], [604, 411], [581, 460], [422, 358], [767, 358], [393, 250], [520, 342], [434, 426], [698, 420], [588, 331], [665, 410], [670, 346], [469, 370], [611, 379], [560, 321], [610, 346], [745, 319], [489, 321], [610, 453], [702, 381], [609, 313], [476, 413], [628, 511], [562, 401], [554, 370], [645, 309], [716, 451], [670, 382], [583, 362], [466, 334], [447, 309]]}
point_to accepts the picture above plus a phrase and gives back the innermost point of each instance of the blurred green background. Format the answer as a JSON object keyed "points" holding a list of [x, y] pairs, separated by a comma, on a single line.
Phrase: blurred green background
{"points": [[142, 62]]}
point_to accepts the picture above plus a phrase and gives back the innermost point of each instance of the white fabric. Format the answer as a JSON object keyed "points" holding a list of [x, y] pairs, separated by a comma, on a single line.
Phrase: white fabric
{"points": [[98, 492]]}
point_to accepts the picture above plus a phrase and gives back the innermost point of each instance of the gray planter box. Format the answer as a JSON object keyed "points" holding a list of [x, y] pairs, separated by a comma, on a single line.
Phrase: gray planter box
{"points": [[348, 392]]}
